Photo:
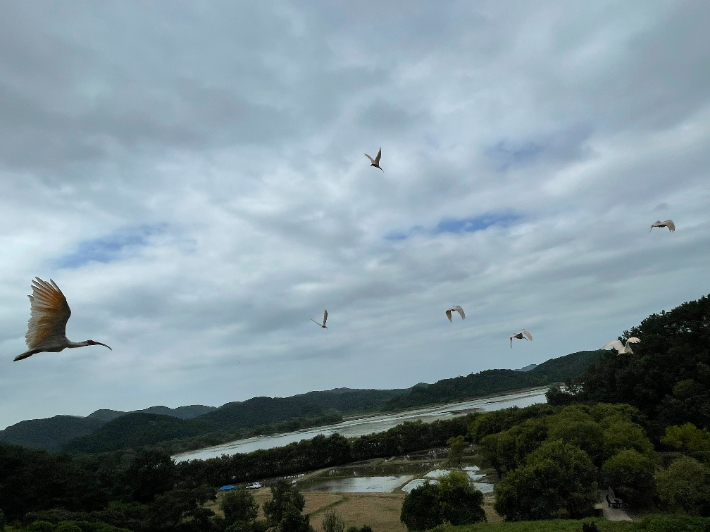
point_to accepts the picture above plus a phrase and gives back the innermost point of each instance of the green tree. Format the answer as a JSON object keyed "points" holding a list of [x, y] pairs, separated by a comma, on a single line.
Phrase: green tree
{"points": [[687, 438], [3, 521], [456, 447], [580, 430], [460, 502], [630, 473], [420, 509], [284, 497], [332, 522], [488, 449], [685, 484], [293, 521], [557, 475], [67, 526], [151, 473], [41, 526], [625, 435], [240, 506]]}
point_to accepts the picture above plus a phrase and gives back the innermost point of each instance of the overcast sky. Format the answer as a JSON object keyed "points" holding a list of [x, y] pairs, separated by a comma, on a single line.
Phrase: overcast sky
{"points": [[191, 174]]}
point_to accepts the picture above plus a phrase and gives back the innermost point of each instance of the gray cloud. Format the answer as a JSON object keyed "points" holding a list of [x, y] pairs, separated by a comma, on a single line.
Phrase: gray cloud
{"points": [[193, 177]]}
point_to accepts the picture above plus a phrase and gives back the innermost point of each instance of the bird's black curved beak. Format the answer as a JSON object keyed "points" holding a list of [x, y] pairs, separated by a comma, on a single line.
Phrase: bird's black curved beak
{"points": [[99, 343]]}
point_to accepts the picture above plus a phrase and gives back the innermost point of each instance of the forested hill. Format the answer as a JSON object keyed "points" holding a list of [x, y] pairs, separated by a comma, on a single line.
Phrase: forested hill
{"points": [[496, 380], [52, 433], [668, 375]]}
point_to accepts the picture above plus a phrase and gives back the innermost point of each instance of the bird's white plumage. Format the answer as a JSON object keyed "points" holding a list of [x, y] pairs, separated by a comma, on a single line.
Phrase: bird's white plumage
{"points": [[376, 161], [49, 314], [457, 309], [620, 347], [668, 223], [524, 333]]}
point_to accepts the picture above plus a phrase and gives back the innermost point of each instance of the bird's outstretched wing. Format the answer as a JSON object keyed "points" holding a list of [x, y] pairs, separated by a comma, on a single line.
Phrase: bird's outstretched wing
{"points": [[49, 314], [670, 225], [633, 340], [314, 321], [448, 314], [325, 317], [371, 159], [527, 333], [459, 310], [379, 154], [655, 224], [616, 344], [511, 341]]}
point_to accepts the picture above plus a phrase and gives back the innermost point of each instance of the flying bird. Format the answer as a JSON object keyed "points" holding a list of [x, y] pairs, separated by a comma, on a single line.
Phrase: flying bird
{"points": [[49, 313], [457, 309], [325, 318], [620, 347], [668, 223], [520, 336], [376, 161]]}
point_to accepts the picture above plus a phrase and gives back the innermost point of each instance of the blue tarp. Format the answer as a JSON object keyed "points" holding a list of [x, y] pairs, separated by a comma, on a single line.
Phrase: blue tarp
{"points": [[228, 487]]}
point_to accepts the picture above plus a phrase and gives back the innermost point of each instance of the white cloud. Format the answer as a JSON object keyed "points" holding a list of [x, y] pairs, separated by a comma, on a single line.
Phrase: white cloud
{"points": [[193, 177]]}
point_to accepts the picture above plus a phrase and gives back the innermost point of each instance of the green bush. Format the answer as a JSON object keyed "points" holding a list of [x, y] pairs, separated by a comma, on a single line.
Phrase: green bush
{"points": [[420, 509], [631, 475], [685, 485], [67, 526], [674, 523], [41, 526]]}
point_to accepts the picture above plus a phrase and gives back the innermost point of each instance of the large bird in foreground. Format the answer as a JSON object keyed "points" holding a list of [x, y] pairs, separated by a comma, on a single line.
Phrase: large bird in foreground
{"points": [[376, 161], [620, 347], [325, 318], [520, 336], [668, 223], [46, 330], [457, 309]]}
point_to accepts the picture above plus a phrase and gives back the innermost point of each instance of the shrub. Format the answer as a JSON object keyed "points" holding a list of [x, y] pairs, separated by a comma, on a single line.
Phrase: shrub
{"points": [[420, 509], [685, 484], [631, 475]]}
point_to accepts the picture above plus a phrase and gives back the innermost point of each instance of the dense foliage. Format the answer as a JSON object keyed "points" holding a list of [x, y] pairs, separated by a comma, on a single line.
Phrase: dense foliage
{"points": [[496, 380], [124, 487], [453, 500], [667, 377]]}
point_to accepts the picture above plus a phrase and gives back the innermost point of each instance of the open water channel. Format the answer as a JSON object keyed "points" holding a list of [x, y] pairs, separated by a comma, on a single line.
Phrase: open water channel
{"points": [[371, 424]]}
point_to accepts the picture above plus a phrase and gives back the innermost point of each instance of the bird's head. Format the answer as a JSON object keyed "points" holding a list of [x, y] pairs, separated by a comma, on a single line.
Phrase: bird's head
{"points": [[91, 342]]}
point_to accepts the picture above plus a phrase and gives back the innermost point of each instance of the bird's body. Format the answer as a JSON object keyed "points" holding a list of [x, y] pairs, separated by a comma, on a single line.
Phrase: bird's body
{"points": [[325, 318], [524, 334], [376, 161], [668, 223], [620, 347], [46, 330], [455, 308]]}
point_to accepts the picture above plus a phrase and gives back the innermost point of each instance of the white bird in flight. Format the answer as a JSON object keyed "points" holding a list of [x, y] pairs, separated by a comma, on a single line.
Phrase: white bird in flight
{"points": [[668, 223], [46, 330], [457, 309], [520, 336], [376, 161], [620, 347], [325, 318]]}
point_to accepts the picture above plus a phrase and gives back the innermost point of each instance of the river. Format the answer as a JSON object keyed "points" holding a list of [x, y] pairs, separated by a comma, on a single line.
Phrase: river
{"points": [[371, 424]]}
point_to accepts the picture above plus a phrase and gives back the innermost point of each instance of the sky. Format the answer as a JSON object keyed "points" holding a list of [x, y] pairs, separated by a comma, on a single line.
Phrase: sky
{"points": [[192, 176]]}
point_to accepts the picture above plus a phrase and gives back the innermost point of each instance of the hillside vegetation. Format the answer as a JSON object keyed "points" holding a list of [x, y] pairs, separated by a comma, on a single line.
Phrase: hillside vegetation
{"points": [[496, 380], [667, 377]]}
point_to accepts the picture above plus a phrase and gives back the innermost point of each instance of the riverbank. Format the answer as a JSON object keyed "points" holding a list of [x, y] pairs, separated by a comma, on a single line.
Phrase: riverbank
{"points": [[362, 425]]}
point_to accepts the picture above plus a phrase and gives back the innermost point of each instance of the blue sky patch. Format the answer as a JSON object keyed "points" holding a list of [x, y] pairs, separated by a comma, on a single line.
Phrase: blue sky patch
{"points": [[111, 247], [456, 225]]}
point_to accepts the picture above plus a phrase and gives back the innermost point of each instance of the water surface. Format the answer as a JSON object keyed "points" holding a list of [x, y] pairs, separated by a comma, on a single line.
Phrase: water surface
{"points": [[371, 424]]}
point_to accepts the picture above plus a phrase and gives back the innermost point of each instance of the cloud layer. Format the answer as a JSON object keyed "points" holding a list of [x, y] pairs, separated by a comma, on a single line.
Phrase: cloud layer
{"points": [[193, 178]]}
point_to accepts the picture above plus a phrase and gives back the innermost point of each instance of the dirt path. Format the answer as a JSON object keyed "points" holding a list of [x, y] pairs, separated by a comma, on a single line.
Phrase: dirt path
{"points": [[612, 514]]}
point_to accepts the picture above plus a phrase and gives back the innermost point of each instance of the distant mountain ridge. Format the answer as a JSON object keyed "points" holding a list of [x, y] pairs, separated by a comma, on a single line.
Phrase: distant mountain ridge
{"points": [[494, 381], [106, 430]]}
